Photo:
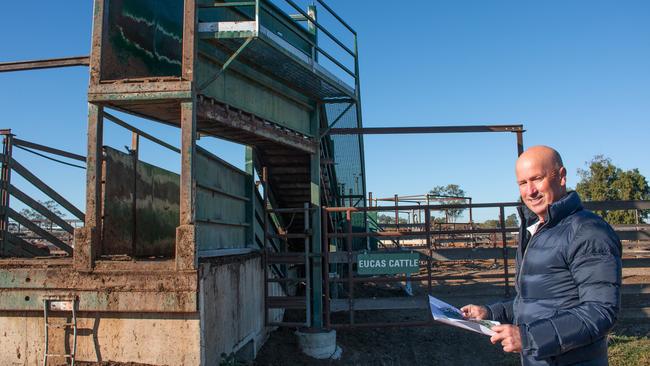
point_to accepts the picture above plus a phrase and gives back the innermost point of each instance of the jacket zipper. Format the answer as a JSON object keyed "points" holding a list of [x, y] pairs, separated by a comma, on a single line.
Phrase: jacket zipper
{"points": [[523, 257]]}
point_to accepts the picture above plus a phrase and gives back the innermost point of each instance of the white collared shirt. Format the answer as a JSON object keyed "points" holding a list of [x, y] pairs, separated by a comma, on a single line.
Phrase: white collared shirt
{"points": [[532, 229]]}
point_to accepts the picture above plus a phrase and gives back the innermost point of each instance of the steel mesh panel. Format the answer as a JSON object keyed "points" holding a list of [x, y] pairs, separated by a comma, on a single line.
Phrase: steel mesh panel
{"points": [[346, 150], [287, 68]]}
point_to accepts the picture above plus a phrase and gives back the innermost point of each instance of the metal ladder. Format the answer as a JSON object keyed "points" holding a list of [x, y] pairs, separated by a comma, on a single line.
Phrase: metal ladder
{"points": [[60, 303]]}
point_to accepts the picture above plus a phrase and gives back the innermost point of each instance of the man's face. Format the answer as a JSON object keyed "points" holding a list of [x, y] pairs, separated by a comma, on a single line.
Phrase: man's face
{"points": [[540, 184]]}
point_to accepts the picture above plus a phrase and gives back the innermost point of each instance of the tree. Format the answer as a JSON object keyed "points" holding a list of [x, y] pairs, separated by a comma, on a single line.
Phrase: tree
{"points": [[36, 216], [603, 181], [451, 194], [512, 220], [386, 219]]}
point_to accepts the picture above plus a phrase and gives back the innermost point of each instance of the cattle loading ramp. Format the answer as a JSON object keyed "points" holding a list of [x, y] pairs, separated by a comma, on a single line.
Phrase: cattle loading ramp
{"points": [[169, 268]]}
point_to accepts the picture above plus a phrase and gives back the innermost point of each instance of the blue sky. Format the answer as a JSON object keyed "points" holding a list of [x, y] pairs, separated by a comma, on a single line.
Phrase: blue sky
{"points": [[575, 73]]}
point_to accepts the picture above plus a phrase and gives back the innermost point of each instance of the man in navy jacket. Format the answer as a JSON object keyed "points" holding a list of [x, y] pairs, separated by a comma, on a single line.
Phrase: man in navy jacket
{"points": [[568, 274]]}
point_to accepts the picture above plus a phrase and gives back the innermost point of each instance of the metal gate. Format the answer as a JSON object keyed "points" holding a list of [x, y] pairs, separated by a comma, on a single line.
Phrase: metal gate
{"points": [[342, 258]]}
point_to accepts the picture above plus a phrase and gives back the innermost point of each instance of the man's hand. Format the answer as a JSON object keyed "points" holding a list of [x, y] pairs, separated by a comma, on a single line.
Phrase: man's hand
{"points": [[509, 337], [472, 311]]}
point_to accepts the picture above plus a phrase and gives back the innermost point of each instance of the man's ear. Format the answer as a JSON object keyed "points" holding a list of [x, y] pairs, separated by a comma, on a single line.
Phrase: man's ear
{"points": [[562, 173]]}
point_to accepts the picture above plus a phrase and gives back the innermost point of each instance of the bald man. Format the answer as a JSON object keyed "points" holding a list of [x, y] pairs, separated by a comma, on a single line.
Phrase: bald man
{"points": [[568, 273]]}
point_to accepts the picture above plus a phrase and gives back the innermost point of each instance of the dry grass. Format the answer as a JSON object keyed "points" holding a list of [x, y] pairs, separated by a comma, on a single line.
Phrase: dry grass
{"points": [[629, 350]]}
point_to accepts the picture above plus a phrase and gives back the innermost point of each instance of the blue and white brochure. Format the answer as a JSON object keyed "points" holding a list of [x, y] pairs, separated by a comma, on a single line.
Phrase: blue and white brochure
{"points": [[448, 314]]}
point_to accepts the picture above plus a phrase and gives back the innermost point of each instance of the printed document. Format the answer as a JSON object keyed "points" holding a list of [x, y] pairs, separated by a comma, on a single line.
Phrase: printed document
{"points": [[448, 314]]}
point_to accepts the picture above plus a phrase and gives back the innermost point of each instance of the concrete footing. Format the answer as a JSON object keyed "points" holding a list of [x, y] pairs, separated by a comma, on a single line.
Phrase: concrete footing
{"points": [[319, 344]]}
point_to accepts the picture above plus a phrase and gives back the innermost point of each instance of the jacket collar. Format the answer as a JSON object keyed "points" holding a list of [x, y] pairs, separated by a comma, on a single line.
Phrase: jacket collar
{"points": [[557, 211]]}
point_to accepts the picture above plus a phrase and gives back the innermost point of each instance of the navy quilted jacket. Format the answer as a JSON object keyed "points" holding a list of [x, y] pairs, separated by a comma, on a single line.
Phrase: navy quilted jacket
{"points": [[568, 283]]}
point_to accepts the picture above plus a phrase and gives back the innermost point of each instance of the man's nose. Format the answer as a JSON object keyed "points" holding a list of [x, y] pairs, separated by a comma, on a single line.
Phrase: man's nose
{"points": [[531, 189]]}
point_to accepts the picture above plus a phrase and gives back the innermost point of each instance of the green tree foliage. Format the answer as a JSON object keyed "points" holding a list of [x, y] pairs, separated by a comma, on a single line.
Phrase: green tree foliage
{"points": [[603, 181], [386, 219], [442, 195], [511, 221], [36, 216]]}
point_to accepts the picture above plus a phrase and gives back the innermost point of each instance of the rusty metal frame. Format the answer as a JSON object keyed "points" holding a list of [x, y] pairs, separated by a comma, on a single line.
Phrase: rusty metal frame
{"points": [[517, 129], [44, 64], [8, 190], [348, 253]]}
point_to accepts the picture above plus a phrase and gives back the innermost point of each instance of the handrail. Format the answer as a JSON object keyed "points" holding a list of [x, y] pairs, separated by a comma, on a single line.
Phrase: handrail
{"points": [[337, 16], [260, 4], [422, 207], [319, 26]]}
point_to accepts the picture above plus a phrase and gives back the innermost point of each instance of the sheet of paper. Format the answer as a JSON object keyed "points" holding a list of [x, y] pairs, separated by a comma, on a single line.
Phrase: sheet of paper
{"points": [[448, 314]]}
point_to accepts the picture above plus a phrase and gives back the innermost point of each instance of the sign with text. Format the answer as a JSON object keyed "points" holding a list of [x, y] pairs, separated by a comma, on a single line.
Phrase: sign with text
{"points": [[387, 263]]}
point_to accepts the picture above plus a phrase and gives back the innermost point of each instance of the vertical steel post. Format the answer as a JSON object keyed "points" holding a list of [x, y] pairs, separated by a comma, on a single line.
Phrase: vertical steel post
{"points": [[250, 194], [186, 248], [315, 225], [94, 166], [427, 223], [135, 147], [502, 222], [257, 17], [313, 29], [96, 43], [5, 177], [265, 253], [348, 216], [520, 142], [396, 198], [47, 335], [326, 266], [87, 250], [362, 156], [471, 220], [190, 41], [308, 276], [188, 154]]}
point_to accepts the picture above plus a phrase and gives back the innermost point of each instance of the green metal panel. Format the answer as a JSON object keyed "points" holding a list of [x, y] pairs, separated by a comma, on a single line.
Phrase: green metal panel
{"points": [[254, 97], [211, 237], [156, 207], [157, 210], [142, 38], [222, 197]]}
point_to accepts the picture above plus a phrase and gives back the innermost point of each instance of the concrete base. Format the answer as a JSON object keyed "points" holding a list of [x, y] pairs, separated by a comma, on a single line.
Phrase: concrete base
{"points": [[319, 344], [157, 339]]}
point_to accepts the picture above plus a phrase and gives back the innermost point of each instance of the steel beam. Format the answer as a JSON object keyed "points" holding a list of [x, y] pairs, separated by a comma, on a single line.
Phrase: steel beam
{"points": [[51, 150], [44, 64], [425, 129]]}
